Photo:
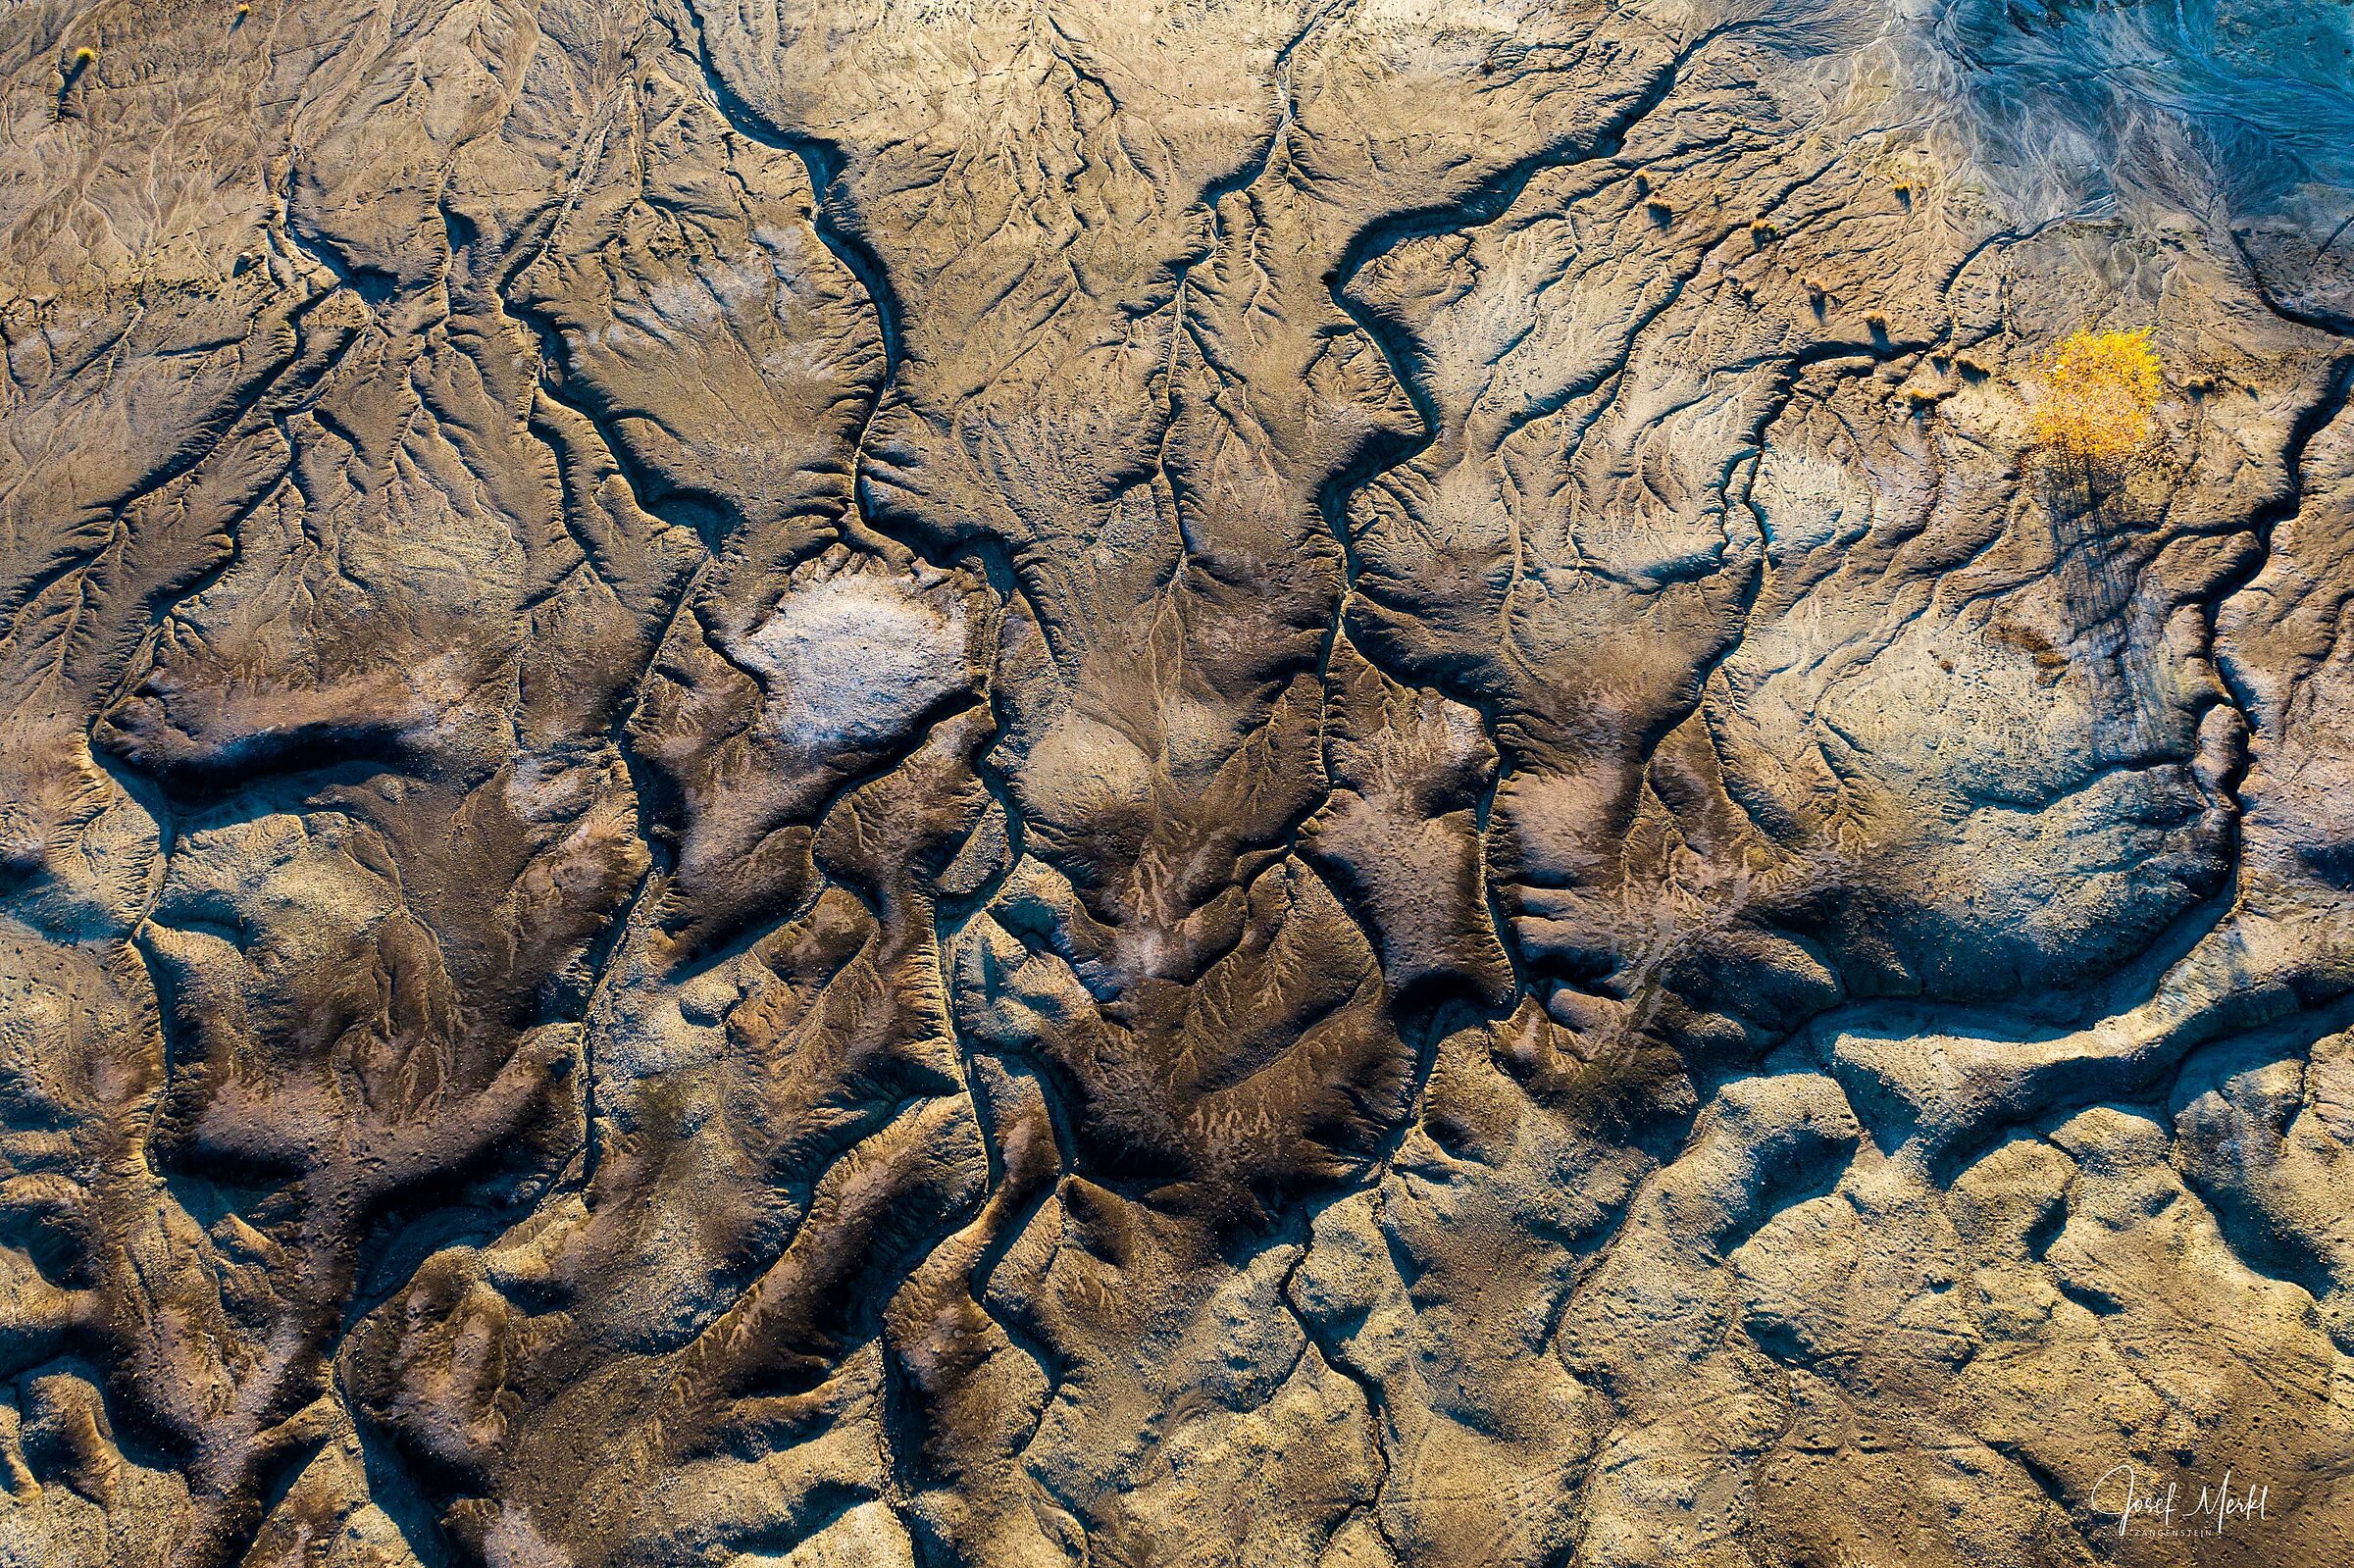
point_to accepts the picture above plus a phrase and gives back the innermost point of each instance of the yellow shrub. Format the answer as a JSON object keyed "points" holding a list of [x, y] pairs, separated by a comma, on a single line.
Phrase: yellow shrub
{"points": [[2098, 391]]}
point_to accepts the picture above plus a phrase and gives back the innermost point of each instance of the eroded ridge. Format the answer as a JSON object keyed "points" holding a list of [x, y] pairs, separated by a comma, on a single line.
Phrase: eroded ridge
{"points": [[1328, 782]]}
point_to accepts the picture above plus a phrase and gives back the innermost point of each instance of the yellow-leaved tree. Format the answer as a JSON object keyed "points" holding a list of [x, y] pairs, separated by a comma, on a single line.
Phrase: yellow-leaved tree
{"points": [[2099, 389]]}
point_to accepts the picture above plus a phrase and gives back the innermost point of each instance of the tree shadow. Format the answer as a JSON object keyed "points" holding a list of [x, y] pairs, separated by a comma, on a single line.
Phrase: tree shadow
{"points": [[2098, 515]]}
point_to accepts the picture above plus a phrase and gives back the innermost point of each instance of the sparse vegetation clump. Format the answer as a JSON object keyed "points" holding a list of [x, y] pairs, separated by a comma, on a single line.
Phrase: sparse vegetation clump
{"points": [[2099, 392]]}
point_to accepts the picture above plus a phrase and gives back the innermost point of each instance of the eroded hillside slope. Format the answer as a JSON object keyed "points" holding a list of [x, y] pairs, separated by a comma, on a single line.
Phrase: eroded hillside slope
{"points": [[842, 782]]}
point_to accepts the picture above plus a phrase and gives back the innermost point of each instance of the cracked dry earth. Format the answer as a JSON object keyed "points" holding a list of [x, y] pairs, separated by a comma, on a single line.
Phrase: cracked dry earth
{"points": [[1153, 784]]}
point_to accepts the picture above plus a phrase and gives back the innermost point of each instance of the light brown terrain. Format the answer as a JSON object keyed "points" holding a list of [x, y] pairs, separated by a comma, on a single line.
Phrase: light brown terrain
{"points": [[1175, 783]]}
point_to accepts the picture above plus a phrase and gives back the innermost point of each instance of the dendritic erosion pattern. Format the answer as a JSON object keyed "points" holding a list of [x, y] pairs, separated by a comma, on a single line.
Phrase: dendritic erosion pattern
{"points": [[1314, 783]]}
